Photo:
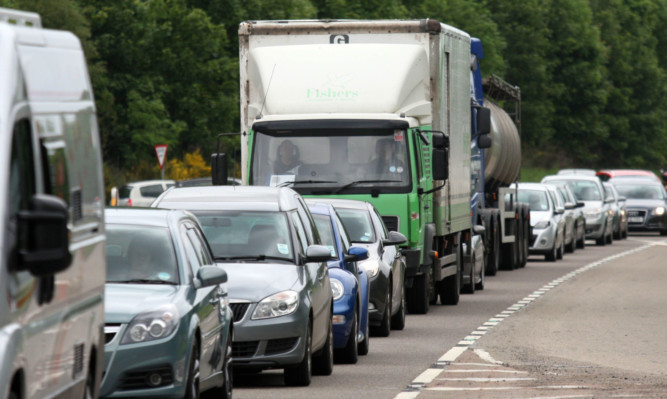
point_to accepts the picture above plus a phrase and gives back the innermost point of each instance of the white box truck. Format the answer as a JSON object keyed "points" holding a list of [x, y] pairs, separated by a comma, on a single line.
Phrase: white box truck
{"points": [[52, 267], [370, 110]]}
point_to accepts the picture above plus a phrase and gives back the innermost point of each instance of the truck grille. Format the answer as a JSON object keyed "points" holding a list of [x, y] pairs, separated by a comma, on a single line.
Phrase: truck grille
{"points": [[391, 222]]}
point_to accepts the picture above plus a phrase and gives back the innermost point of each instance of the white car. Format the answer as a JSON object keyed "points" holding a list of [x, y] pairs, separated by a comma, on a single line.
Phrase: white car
{"points": [[142, 193]]}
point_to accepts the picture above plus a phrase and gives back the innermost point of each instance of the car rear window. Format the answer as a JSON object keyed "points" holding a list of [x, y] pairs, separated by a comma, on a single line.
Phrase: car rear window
{"points": [[152, 191]]}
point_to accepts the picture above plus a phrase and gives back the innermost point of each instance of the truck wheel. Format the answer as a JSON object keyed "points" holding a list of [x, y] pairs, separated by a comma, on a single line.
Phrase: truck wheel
{"points": [[493, 259], [450, 288], [418, 300]]}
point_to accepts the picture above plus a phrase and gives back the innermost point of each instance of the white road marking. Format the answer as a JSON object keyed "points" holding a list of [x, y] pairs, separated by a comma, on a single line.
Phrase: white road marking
{"points": [[472, 379], [484, 371], [486, 356], [450, 356]]}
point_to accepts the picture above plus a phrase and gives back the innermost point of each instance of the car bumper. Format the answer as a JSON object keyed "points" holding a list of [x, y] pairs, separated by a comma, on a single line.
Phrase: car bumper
{"points": [[595, 228], [542, 241], [648, 223], [378, 298], [343, 319], [127, 367], [270, 343]]}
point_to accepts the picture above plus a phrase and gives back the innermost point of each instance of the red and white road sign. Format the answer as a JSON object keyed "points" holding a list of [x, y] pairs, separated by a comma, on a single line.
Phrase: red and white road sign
{"points": [[161, 152]]}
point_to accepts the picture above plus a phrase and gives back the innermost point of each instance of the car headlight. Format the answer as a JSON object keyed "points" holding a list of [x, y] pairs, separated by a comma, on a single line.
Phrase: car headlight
{"points": [[151, 325], [593, 213], [371, 268], [542, 224], [337, 289], [658, 211], [280, 304]]}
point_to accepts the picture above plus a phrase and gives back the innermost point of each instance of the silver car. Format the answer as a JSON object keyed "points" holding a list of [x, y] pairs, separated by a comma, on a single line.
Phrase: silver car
{"points": [[546, 221], [568, 218], [619, 209], [279, 287], [576, 208], [597, 210]]}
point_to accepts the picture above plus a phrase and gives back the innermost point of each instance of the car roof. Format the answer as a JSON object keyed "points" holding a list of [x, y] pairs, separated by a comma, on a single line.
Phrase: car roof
{"points": [[583, 172], [320, 208], [149, 182], [269, 199], [571, 177], [533, 186], [144, 216], [626, 172], [339, 203]]}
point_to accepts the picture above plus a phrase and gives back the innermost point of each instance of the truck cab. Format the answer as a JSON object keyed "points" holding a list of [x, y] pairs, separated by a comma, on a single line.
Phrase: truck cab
{"points": [[52, 267]]}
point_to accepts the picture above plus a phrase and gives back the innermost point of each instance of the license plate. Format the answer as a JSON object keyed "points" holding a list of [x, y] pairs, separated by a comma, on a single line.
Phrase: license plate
{"points": [[635, 219]]}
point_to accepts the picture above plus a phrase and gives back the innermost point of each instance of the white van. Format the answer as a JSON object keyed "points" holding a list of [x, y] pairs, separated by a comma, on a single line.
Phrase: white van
{"points": [[52, 240]]}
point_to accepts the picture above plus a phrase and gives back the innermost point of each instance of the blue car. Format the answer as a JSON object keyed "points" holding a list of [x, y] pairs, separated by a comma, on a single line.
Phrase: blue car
{"points": [[349, 283]]}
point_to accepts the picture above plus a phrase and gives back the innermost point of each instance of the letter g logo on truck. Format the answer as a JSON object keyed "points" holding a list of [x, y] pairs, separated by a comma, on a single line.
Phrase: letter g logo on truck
{"points": [[339, 39]]}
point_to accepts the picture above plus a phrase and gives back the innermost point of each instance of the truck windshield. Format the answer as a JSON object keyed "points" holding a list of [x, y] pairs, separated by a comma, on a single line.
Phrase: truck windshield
{"points": [[351, 162]]}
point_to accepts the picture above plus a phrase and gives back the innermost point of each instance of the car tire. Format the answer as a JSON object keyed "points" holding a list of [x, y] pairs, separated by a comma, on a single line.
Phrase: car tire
{"points": [[398, 320], [350, 353], [364, 346], [384, 329], [610, 237], [192, 382], [663, 232], [617, 232], [602, 241], [225, 391], [581, 241], [89, 389], [552, 255], [300, 375], [561, 249], [470, 288], [480, 286], [323, 363]]}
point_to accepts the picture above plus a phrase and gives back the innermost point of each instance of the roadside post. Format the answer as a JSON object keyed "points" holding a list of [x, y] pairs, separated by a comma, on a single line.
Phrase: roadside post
{"points": [[161, 153]]}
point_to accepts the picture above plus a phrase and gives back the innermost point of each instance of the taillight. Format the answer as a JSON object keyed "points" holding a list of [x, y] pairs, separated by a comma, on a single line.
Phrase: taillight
{"points": [[129, 202]]}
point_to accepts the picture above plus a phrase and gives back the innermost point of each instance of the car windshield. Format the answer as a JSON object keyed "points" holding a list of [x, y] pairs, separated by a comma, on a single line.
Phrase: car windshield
{"points": [[325, 228], [357, 224], [140, 254], [536, 198], [584, 190], [247, 235], [350, 162], [640, 191]]}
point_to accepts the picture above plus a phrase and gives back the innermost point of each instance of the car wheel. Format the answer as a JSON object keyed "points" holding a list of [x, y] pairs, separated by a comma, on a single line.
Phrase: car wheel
{"points": [[602, 241], [364, 346], [350, 354], [323, 363], [192, 384], [663, 232], [90, 384], [470, 288], [553, 254], [398, 320], [617, 231], [581, 241], [300, 375], [384, 329], [225, 391], [480, 285], [610, 237], [561, 249]]}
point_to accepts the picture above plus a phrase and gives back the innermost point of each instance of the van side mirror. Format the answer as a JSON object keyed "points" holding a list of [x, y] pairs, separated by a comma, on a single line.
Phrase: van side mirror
{"points": [[219, 169], [44, 236], [210, 275]]}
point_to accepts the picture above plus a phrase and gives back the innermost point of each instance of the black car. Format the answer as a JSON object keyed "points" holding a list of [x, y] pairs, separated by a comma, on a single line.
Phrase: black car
{"points": [[646, 204]]}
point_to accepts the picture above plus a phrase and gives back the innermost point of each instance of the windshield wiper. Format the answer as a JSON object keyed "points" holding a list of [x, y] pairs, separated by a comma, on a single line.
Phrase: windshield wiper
{"points": [[142, 281], [295, 182], [354, 183]]}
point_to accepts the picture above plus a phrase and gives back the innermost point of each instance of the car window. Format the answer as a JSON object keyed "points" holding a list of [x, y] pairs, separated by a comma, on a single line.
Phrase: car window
{"points": [[358, 224], [247, 234], [537, 199], [640, 191], [152, 191], [325, 230], [584, 190], [300, 232], [140, 253], [124, 192], [378, 220], [308, 223], [344, 237]]}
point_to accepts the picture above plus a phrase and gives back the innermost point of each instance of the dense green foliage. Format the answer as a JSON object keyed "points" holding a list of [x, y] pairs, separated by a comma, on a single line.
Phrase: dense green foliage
{"points": [[591, 72]]}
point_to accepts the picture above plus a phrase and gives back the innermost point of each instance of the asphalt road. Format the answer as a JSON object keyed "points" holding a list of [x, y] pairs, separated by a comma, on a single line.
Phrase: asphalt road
{"points": [[394, 363]]}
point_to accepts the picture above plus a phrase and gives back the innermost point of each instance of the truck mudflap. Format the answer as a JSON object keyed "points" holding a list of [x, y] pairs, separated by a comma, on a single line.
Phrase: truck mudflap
{"points": [[412, 261]]}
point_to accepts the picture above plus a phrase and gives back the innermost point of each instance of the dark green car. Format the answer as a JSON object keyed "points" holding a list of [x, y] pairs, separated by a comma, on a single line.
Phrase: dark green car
{"points": [[168, 324]]}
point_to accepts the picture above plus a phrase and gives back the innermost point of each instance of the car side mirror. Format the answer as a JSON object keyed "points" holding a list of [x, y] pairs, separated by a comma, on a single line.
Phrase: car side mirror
{"points": [[394, 238], [622, 199], [570, 205], [356, 254], [580, 204], [317, 253], [609, 200], [559, 210], [44, 236], [210, 275]]}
